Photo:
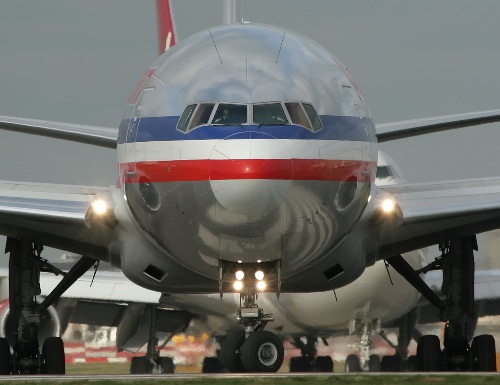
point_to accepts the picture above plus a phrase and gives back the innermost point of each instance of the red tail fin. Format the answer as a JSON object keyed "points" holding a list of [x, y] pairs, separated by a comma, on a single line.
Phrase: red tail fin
{"points": [[166, 27]]}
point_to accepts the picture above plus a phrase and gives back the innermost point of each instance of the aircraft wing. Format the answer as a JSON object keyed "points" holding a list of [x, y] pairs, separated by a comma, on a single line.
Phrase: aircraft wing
{"points": [[430, 213], [97, 136], [56, 216], [408, 128]]}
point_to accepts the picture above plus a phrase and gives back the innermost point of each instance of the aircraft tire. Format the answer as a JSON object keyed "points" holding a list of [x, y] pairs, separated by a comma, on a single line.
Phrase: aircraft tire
{"points": [[411, 364], [428, 354], [352, 364], [262, 351], [299, 364], [166, 365], [374, 364], [53, 351], [230, 348], [211, 365], [324, 364], [391, 364], [4, 356], [141, 365], [484, 353]]}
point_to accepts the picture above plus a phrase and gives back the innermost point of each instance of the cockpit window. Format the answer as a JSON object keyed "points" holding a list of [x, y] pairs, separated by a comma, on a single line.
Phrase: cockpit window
{"points": [[228, 114], [269, 113], [298, 115], [313, 117], [201, 115], [185, 118]]}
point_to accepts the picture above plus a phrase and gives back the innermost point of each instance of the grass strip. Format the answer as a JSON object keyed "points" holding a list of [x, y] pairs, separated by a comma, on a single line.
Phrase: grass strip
{"points": [[414, 379]]}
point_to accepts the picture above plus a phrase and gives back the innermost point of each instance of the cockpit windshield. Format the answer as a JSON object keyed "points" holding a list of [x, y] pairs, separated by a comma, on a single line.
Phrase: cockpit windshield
{"points": [[228, 114], [269, 113]]}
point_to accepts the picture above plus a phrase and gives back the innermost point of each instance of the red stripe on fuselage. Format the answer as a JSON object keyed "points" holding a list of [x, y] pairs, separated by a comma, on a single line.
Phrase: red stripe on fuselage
{"points": [[276, 169]]}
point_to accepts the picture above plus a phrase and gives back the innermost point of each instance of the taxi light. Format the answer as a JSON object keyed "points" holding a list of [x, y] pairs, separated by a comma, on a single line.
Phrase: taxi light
{"points": [[261, 286], [388, 205], [240, 275], [259, 275], [99, 207], [238, 285]]}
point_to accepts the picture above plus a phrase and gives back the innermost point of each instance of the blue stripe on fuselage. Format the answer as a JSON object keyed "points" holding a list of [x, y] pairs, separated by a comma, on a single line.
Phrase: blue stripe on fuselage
{"points": [[163, 128]]}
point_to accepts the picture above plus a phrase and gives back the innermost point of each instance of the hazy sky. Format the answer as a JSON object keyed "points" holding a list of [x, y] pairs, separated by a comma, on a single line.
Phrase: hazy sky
{"points": [[78, 60]]}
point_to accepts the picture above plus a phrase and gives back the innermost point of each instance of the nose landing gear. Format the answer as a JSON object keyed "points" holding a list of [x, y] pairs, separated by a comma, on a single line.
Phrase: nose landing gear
{"points": [[252, 349]]}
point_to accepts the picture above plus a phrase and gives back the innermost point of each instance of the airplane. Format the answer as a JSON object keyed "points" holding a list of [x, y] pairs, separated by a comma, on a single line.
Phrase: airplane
{"points": [[278, 197]]}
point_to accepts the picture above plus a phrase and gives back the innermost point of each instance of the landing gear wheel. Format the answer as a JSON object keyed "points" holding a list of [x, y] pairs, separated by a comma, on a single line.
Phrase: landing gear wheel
{"points": [[374, 364], [230, 349], [4, 356], [391, 364], [211, 365], [53, 351], [141, 365], [166, 365], [428, 354], [299, 364], [411, 364], [262, 352], [352, 364], [484, 353], [324, 364]]}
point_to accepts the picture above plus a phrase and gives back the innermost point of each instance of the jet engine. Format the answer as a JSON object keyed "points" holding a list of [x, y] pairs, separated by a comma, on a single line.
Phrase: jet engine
{"points": [[50, 324]]}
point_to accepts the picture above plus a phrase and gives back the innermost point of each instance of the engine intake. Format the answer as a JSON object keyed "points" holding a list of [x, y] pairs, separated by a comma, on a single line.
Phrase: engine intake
{"points": [[50, 325]]}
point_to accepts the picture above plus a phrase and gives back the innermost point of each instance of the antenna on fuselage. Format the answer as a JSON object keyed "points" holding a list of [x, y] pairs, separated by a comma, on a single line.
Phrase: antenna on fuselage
{"points": [[232, 12]]}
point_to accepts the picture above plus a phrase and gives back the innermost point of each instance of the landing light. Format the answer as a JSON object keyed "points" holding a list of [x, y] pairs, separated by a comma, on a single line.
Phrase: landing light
{"points": [[238, 285], [259, 275], [99, 206], [261, 286], [240, 275], [388, 205]]}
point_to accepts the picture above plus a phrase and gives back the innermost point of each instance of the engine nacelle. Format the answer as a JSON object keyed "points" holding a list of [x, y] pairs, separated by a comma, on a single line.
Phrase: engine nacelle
{"points": [[50, 325]]}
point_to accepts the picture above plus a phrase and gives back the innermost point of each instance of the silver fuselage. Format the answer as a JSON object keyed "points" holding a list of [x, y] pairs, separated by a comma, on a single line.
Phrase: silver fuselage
{"points": [[245, 192]]}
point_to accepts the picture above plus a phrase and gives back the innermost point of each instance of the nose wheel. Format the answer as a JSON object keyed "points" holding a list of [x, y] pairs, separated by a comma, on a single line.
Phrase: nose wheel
{"points": [[262, 351]]}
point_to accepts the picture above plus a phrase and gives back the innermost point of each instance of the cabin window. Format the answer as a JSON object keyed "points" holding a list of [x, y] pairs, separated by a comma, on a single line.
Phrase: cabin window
{"points": [[298, 115], [202, 115], [313, 117], [230, 114], [269, 114], [185, 118]]}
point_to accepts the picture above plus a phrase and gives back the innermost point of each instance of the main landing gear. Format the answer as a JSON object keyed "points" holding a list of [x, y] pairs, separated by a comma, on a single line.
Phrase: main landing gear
{"points": [[365, 362], [456, 310], [152, 362], [26, 313], [398, 362], [308, 361], [251, 348]]}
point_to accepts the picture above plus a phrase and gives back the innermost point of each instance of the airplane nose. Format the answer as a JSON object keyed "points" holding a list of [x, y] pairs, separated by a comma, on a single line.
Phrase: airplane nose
{"points": [[250, 173]]}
